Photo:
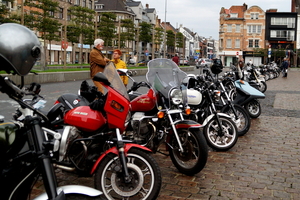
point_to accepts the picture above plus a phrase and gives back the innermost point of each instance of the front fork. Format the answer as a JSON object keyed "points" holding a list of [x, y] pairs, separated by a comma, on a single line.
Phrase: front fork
{"points": [[174, 128], [120, 147]]}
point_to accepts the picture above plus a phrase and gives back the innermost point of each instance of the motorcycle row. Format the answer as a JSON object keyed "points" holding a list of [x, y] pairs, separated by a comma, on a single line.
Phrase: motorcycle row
{"points": [[112, 135]]}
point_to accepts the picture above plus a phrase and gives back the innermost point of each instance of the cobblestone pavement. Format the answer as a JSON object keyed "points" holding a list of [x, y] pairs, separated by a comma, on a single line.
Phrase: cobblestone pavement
{"points": [[264, 164]]}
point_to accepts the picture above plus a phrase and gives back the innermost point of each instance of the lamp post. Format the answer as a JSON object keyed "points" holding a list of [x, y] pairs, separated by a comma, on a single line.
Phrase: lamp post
{"points": [[165, 29]]}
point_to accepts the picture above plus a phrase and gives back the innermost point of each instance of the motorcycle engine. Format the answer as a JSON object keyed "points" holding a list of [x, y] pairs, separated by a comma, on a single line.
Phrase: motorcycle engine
{"points": [[141, 129], [70, 133]]}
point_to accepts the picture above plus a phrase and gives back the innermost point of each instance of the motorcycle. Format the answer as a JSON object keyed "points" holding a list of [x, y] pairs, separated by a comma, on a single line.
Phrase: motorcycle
{"points": [[92, 141], [255, 79], [247, 96], [26, 152], [157, 117], [220, 130]]}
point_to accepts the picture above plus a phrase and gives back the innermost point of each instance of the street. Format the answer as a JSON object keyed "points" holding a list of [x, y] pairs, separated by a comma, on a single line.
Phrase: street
{"points": [[264, 164]]}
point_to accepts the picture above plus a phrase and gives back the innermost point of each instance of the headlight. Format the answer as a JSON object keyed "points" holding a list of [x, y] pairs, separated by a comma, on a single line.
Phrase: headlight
{"points": [[176, 96]]}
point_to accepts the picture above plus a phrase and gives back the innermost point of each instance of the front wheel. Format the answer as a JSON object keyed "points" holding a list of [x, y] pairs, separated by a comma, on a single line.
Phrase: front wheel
{"points": [[221, 140], [243, 120], [262, 86], [145, 176], [253, 108], [194, 156]]}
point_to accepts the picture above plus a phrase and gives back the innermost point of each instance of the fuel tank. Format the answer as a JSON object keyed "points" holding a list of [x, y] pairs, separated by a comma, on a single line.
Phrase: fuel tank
{"points": [[194, 97], [144, 102], [85, 119]]}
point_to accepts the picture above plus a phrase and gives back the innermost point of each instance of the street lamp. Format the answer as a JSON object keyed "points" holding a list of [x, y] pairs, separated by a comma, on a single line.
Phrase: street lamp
{"points": [[165, 29]]}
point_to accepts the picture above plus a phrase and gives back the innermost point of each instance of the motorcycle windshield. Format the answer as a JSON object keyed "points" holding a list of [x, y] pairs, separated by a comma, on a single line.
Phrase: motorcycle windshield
{"points": [[113, 77], [164, 75]]}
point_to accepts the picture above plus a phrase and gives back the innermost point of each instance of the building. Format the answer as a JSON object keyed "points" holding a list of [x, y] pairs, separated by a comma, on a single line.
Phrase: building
{"points": [[281, 34], [241, 34]]}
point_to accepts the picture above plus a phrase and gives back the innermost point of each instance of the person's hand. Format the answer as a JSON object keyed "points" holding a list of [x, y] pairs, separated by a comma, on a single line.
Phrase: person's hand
{"points": [[106, 60]]}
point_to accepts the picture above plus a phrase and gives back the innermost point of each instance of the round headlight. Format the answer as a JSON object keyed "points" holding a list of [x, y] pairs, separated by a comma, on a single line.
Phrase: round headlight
{"points": [[176, 96]]}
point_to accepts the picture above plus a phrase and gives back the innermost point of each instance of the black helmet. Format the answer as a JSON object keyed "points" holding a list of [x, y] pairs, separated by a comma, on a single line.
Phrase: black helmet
{"points": [[217, 66], [19, 49]]}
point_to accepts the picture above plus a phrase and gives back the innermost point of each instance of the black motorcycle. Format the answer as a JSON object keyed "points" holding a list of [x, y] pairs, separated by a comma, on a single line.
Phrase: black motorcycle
{"points": [[26, 152]]}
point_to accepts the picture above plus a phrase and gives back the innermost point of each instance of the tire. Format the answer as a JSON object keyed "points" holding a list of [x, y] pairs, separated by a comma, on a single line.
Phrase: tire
{"points": [[253, 108], [195, 154], [144, 170], [221, 143], [243, 122], [262, 86]]}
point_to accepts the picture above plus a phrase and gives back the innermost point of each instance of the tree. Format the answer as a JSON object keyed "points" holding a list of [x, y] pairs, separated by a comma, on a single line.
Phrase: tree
{"points": [[127, 32], [158, 37], [107, 28], [42, 16], [145, 33], [4, 12], [82, 23], [170, 40], [179, 40]]}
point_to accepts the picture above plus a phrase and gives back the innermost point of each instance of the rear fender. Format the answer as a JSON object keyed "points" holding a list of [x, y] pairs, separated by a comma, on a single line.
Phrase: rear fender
{"points": [[115, 151], [72, 189]]}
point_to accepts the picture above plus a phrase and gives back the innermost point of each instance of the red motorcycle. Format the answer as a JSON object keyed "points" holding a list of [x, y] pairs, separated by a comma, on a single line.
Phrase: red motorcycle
{"points": [[157, 117], [92, 143]]}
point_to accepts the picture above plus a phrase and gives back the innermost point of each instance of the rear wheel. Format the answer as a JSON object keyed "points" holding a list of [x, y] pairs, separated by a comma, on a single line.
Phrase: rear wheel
{"points": [[145, 177], [221, 141], [243, 121], [194, 156]]}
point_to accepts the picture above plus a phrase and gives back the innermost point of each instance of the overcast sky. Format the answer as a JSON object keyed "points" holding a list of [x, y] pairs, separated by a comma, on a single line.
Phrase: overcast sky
{"points": [[203, 16]]}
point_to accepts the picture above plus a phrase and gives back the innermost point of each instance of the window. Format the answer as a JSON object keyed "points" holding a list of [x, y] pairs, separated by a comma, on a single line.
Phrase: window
{"points": [[229, 27], [77, 2], [221, 43], [90, 4], [83, 3], [233, 15], [228, 43], [256, 43], [285, 21], [99, 6], [254, 28], [250, 43], [69, 15], [289, 35], [61, 13], [238, 28], [254, 15], [237, 43]]}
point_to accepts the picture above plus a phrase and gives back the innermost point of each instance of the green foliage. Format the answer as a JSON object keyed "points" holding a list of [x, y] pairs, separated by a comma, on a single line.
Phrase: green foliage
{"points": [[170, 38], [107, 28], [4, 12], [73, 33], [127, 31], [158, 36], [179, 40], [145, 32]]}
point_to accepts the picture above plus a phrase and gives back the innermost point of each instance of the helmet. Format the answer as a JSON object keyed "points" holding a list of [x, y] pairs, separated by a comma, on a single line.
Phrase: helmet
{"points": [[19, 49], [217, 66]]}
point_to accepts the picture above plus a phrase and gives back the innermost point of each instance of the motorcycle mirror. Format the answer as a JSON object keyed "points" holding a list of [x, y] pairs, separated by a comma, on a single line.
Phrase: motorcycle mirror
{"points": [[100, 77]]}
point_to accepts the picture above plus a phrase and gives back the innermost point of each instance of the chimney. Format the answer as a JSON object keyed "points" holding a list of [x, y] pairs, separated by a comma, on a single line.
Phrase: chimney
{"points": [[272, 10], [245, 7]]}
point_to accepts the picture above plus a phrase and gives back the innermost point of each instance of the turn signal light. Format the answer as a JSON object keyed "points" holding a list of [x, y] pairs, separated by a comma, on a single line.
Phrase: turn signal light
{"points": [[242, 82], [188, 110], [160, 114]]}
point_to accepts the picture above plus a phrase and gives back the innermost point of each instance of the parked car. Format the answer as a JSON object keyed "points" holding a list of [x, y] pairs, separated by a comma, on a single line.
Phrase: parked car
{"points": [[183, 62], [203, 62]]}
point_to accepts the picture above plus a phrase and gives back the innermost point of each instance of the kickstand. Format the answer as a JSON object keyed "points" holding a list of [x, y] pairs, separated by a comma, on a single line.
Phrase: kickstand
{"points": [[163, 153]]}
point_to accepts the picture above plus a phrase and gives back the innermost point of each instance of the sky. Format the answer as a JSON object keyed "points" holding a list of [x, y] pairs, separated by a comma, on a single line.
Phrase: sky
{"points": [[202, 16]]}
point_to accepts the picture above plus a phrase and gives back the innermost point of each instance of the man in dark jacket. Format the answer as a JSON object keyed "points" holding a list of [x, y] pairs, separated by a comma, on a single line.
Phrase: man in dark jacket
{"points": [[285, 66], [97, 61]]}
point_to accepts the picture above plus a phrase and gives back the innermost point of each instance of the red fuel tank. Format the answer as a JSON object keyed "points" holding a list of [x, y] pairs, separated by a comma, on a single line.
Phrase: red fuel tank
{"points": [[145, 102], [84, 118]]}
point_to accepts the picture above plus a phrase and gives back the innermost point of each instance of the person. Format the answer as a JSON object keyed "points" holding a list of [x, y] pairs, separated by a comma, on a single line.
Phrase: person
{"points": [[284, 66], [176, 59], [120, 64], [240, 69], [249, 63], [97, 61]]}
